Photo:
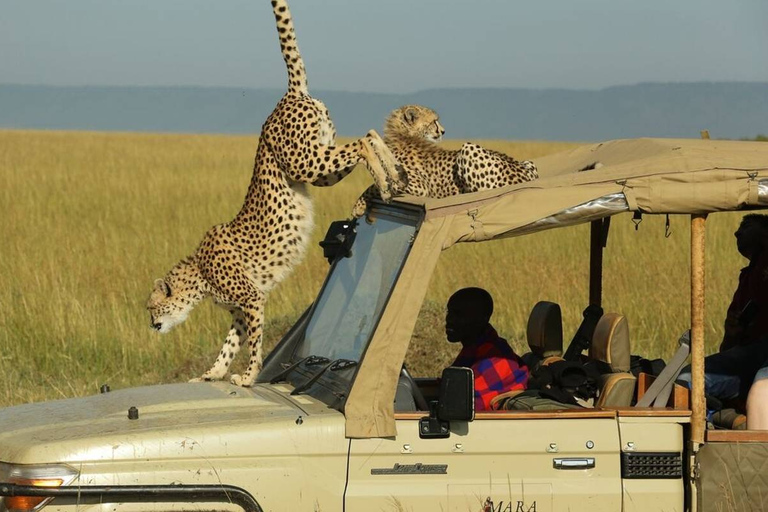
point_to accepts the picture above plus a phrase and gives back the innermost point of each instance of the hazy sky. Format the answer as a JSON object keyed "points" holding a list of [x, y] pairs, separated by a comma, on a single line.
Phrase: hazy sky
{"points": [[387, 45]]}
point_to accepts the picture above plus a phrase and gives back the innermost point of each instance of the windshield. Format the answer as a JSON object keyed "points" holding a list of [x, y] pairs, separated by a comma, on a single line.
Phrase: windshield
{"points": [[354, 295]]}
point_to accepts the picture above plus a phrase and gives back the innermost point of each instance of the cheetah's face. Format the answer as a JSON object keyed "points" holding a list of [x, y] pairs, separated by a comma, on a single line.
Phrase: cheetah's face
{"points": [[415, 121], [434, 131], [167, 308]]}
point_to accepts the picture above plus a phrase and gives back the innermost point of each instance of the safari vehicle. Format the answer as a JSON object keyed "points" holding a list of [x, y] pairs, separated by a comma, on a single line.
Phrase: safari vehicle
{"points": [[336, 423]]}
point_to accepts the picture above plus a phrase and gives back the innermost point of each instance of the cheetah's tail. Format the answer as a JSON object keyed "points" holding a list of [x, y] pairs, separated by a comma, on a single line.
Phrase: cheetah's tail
{"points": [[297, 76]]}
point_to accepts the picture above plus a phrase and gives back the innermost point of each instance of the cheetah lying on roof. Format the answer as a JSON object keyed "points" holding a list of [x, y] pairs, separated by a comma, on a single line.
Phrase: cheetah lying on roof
{"points": [[431, 171], [239, 262]]}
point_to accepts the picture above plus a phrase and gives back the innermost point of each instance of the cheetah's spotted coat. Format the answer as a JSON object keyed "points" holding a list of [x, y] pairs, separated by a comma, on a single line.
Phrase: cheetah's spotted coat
{"points": [[239, 262], [431, 171]]}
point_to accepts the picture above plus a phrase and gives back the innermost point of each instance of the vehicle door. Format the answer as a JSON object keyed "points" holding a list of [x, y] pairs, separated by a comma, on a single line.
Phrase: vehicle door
{"points": [[502, 461]]}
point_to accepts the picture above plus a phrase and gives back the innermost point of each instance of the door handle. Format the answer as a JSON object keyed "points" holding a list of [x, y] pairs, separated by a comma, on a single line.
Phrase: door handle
{"points": [[574, 463]]}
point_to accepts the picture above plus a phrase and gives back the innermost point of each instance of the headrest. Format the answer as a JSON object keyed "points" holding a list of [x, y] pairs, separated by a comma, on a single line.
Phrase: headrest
{"points": [[610, 342], [545, 330]]}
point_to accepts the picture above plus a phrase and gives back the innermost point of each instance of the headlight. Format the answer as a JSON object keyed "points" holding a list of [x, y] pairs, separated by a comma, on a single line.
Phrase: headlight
{"points": [[40, 475]]}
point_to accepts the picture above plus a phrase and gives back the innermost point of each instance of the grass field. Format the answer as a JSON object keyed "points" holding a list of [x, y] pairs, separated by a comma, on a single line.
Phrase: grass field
{"points": [[89, 220]]}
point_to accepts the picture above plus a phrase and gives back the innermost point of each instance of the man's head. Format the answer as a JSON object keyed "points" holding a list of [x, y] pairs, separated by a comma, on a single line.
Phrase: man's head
{"points": [[469, 311], [752, 235]]}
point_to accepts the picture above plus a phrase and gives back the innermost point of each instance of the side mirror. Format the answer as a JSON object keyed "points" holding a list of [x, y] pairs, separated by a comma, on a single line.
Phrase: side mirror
{"points": [[456, 402], [338, 240]]}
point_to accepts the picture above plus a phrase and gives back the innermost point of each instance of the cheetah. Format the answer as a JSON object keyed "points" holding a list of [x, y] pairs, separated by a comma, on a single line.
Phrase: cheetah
{"points": [[239, 262], [431, 171]]}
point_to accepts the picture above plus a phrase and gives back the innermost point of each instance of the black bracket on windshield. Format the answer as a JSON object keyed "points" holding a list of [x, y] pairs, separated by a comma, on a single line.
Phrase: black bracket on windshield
{"points": [[338, 240]]}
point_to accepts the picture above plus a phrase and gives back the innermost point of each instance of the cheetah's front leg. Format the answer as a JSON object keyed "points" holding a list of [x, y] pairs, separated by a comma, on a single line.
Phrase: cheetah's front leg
{"points": [[235, 338], [361, 205], [382, 165], [254, 317], [336, 162]]}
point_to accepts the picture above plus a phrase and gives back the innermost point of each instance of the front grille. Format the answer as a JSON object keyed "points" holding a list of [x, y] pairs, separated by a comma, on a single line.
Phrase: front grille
{"points": [[651, 465]]}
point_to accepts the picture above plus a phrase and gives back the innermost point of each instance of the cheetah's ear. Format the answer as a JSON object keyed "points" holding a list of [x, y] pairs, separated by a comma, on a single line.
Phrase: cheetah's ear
{"points": [[410, 115], [162, 286]]}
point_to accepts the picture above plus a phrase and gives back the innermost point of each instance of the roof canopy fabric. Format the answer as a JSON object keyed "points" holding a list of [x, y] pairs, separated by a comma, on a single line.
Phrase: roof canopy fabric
{"points": [[655, 176]]}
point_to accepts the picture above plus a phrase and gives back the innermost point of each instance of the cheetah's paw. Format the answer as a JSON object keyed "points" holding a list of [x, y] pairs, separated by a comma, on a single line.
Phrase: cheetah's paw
{"points": [[242, 380], [386, 195], [206, 377], [389, 164], [359, 210], [398, 186]]}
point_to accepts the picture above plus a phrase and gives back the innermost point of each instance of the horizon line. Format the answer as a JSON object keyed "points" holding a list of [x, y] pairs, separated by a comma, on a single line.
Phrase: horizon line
{"points": [[417, 91]]}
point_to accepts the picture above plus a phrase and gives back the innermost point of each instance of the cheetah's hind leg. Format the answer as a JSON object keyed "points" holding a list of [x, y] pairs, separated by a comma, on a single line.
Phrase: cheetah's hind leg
{"points": [[235, 338], [254, 319], [478, 168]]}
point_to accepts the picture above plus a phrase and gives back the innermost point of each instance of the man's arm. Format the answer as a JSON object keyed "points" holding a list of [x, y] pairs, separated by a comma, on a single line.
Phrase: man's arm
{"points": [[733, 332]]}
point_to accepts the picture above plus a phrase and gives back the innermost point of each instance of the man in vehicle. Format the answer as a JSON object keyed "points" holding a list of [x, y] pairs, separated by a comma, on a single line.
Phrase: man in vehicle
{"points": [[747, 319], [496, 367], [743, 355]]}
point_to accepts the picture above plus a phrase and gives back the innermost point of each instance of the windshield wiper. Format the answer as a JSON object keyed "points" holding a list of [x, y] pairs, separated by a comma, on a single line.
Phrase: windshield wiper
{"points": [[338, 364], [309, 360], [342, 364]]}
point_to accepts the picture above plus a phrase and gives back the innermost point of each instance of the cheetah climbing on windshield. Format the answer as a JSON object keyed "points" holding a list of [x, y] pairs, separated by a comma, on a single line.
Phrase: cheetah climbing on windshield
{"points": [[238, 263], [432, 171]]}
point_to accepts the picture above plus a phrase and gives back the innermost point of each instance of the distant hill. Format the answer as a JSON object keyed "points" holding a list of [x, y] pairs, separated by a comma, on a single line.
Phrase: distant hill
{"points": [[727, 110]]}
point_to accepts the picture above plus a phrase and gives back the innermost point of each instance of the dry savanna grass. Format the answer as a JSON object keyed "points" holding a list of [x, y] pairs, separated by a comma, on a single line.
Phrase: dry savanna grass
{"points": [[89, 220]]}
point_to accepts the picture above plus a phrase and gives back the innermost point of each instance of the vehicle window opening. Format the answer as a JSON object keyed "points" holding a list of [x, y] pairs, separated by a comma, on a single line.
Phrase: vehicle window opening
{"points": [[657, 322]]}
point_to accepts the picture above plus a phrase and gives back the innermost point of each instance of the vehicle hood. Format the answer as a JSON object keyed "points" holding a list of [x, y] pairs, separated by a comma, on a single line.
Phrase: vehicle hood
{"points": [[172, 420]]}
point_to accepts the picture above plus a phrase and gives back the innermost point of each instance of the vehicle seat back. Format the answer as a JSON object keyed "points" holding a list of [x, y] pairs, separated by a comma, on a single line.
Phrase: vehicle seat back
{"points": [[545, 330], [610, 344]]}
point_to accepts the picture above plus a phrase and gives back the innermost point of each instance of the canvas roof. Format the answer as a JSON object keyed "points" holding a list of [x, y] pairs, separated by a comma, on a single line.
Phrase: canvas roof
{"points": [[655, 176]]}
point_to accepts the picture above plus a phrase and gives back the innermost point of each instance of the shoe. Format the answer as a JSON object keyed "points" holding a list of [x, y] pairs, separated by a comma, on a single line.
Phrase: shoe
{"points": [[729, 419]]}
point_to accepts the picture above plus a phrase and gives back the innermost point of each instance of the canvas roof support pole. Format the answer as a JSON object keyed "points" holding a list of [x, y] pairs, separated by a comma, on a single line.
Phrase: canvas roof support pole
{"points": [[698, 402], [583, 338], [596, 263], [598, 241]]}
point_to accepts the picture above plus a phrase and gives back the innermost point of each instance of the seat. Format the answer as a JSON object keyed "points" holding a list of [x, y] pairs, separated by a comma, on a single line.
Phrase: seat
{"points": [[408, 396], [545, 333], [610, 345]]}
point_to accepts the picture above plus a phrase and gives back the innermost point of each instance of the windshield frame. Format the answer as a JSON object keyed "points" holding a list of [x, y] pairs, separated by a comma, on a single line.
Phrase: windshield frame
{"points": [[333, 386]]}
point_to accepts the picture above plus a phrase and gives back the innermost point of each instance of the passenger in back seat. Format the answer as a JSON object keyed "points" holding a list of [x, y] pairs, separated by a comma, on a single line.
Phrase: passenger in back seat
{"points": [[496, 367], [743, 355]]}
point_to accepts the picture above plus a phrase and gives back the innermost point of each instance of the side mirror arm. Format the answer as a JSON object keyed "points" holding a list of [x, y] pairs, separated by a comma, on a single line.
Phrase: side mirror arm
{"points": [[432, 427]]}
